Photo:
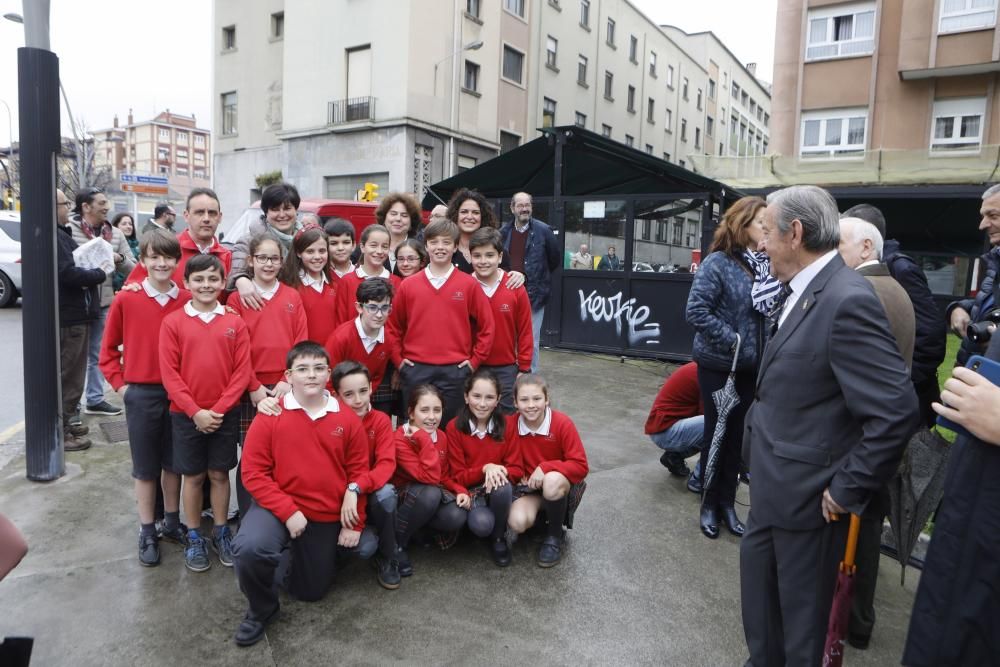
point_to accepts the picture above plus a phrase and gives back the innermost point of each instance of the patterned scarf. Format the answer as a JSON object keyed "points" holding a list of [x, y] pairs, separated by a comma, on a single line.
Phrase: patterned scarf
{"points": [[286, 239], [766, 287], [106, 230]]}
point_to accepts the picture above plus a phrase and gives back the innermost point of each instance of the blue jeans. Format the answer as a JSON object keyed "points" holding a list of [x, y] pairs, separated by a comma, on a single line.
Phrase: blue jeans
{"points": [[536, 332], [95, 380], [685, 437]]}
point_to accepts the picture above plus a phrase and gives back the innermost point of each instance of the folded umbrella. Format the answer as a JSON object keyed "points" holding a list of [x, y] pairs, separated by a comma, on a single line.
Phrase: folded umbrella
{"points": [[843, 595], [725, 400]]}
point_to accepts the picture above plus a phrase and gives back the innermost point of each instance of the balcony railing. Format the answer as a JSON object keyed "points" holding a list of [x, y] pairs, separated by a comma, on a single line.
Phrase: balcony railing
{"points": [[350, 110]]}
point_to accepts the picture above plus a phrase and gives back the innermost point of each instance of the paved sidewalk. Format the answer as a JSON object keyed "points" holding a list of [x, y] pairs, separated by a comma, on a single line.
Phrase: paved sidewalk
{"points": [[638, 583]]}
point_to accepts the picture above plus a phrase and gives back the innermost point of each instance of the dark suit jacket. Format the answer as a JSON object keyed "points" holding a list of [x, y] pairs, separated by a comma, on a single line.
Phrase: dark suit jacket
{"points": [[897, 305], [834, 406]]}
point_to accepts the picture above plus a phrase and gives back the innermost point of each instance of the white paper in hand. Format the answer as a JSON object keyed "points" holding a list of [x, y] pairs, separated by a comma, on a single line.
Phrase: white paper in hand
{"points": [[95, 254]]}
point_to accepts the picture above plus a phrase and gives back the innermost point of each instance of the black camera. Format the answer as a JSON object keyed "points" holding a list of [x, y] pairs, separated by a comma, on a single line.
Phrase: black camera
{"points": [[979, 332]]}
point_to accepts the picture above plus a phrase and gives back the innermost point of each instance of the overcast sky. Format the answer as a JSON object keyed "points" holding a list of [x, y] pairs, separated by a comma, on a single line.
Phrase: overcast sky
{"points": [[117, 54]]}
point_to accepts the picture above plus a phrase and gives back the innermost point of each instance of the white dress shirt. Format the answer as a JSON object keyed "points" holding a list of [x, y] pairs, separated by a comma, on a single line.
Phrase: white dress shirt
{"points": [[801, 281], [162, 298], [206, 317]]}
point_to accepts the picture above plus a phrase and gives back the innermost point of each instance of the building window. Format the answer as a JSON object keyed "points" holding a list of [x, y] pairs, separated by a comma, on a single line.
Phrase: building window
{"points": [[958, 124], [199, 158], [611, 32], [666, 156], [609, 81], [650, 107], [722, 148], [670, 121], [515, 7], [163, 153], [181, 171], [744, 98], [181, 138], [465, 163], [833, 133], [841, 31], [199, 141], [581, 71], [649, 148], [551, 46], [229, 38], [633, 49], [472, 8], [711, 89], [508, 142], [767, 118], [959, 15], [684, 88], [228, 114], [760, 114], [585, 13], [182, 154], [678, 231], [548, 112], [670, 76], [698, 100], [278, 25], [164, 134], [684, 129], [513, 64], [581, 119], [736, 91], [630, 101], [200, 173], [753, 106], [605, 130], [471, 76], [709, 126], [629, 140], [697, 138], [652, 63]]}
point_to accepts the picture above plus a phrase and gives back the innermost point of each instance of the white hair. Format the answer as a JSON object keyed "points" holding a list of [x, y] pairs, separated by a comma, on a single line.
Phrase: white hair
{"points": [[862, 230], [990, 191]]}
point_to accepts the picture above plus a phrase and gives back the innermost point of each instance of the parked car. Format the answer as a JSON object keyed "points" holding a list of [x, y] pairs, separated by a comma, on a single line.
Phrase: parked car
{"points": [[358, 213], [642, 266], [10, 258]]}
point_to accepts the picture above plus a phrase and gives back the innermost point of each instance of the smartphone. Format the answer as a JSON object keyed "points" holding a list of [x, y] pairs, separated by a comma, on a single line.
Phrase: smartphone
{"points": [[990, 370]]}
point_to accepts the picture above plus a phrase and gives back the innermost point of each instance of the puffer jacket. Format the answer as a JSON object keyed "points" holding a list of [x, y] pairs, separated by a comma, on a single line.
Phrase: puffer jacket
{"points": [[719, 307], [119, 244], [542, 256], [986, 299]]}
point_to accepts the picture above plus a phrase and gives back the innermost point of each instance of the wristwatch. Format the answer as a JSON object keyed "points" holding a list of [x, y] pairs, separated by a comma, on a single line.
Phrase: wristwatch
{"points": [[354, 488]]}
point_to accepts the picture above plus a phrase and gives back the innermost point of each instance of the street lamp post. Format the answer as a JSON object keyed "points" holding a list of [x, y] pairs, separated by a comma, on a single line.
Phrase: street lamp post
{"points": [[471, 46]]}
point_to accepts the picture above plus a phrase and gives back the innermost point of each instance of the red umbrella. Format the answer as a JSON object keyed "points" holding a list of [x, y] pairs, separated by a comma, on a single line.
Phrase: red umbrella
{"points": [[843, 594]]}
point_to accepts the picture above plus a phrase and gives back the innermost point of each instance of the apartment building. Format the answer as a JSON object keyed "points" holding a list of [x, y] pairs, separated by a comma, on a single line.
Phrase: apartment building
{"points": [[431, 88]]}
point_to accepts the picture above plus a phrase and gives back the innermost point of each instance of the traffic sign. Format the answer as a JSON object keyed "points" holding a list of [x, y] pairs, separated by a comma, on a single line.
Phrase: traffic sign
{"points": [[153, 185]]}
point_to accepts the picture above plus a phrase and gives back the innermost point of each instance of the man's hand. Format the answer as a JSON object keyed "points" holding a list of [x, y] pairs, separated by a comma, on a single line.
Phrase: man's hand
{"points": [[831, 510], [349, 510], [349, 538], [960, 319], [280, 389], [296, 524], [258, 394], [514, 279], [248, 293], [971, 401]]}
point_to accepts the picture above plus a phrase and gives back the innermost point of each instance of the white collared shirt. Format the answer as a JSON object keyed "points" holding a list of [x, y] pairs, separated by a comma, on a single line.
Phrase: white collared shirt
{"points": [[800, 282], [519, 228], [870, 262], [331, 405], [478, 432], [433, 436], [309, 281], [543, 429], [492, 289], [438, 282], [341, 274], [369, 342], [360, 272], [267, 295], [204, 250], [162, 298], [206, 317]]}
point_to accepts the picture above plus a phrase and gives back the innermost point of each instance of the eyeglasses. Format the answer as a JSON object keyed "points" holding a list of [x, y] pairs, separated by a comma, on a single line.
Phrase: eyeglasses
{"points": [[67, 204], [267, 259], [318, 369], [374, 309], [407, 260]]}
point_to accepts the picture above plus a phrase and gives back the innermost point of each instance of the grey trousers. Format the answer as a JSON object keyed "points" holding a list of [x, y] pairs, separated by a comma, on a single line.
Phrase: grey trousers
{"points": [[73, 365]]}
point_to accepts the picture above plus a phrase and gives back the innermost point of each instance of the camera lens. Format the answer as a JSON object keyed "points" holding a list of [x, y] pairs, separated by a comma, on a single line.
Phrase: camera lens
{"points": [[978, 332]]}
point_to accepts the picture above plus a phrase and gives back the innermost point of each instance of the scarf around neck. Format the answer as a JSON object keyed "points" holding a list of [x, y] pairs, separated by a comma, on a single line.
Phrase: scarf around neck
{"points": [[766, 287]]}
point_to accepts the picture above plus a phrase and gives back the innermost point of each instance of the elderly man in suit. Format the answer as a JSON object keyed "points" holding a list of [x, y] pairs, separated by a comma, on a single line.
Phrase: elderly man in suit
{"points": [[832, 412]]}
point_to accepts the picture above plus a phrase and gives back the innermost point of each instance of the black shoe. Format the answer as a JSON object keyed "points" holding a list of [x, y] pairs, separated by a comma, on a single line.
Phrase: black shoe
{"points": [[709, 522], [549, 554], [674, 462], [149, 550], [178, 534], [403, 563], [387, 572], [732, 521], [252, 631], [859, 642], [501, 553], [694, 484], [103, 408]]}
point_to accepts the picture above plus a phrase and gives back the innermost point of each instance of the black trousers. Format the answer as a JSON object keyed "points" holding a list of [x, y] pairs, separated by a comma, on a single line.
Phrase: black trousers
{"points": [[506, 375], [786, 584], [723, 490], [862, 619], [927, 391], [449, 380]]}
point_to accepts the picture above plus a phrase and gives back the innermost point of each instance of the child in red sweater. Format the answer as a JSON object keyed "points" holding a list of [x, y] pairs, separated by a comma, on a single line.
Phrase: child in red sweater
{"points": [[205, 364], [482, 460], [374, 253], [307, 270], [427, 494], [513, 342], [555, 466], [134, 321], [434, 316], [298, 465], [340, 237], [411, 257]]}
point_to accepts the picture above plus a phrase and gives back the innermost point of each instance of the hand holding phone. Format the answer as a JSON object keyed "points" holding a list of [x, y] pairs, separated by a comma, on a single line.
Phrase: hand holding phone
{"points": [[966, 399]]}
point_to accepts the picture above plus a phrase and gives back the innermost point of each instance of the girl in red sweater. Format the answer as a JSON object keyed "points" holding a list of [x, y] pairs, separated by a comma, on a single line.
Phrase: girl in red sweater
{"points": [[374, 253], [555, 466], [411, 257], [306, 270], [427, 494], [481, 459]]}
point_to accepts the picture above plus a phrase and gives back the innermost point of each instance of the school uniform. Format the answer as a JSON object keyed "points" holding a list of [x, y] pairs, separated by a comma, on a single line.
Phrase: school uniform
{"points": [[381, 503], [205, 364], [296, 462], [513, 341], [350, 342], [347, 290], [467, 454], [189, 249], [133, 322], [434, 319], [274, 330], [319, 301]]}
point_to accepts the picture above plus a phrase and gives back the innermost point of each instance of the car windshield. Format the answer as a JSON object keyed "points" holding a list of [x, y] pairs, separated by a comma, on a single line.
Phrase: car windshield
{"points": [[11, 229]]}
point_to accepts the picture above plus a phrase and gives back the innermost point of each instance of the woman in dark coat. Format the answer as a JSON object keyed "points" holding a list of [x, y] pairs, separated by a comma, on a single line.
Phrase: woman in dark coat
{"points": [[956, 614]]}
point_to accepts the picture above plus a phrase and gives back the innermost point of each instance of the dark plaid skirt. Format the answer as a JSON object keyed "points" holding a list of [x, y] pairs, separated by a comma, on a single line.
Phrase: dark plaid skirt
{"points": [[247, 412], [574, 497], [405, 498]]}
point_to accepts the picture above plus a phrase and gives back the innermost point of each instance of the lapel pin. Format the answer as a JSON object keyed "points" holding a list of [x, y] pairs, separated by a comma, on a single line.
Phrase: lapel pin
{"points": [[805, 304]]}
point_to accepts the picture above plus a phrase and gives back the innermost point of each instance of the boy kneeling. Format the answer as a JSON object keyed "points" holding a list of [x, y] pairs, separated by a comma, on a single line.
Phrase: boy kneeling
{"points": [[297, 465]]}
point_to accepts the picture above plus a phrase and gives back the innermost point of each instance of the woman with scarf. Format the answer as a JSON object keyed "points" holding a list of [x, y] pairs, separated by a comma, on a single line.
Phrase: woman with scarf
{"points": [[280, 204], [730, 300]]}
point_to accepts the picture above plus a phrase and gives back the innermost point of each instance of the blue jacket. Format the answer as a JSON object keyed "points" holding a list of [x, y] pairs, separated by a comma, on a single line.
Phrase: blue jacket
{"points": [[719, 306], [542, 256], [929, 342], [986, 299]]}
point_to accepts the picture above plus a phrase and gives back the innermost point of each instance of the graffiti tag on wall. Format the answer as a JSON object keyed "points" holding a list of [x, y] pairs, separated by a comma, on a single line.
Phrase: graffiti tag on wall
{"points": [[597, 308]]}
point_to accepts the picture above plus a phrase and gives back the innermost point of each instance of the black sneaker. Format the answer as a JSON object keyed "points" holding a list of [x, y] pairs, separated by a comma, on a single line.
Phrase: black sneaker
{"points": [[178, 534], [403, 563], [251, 631], [501, 553], [149, 550], [196, 553], [222, 544], [674, 462], [103, 408], [387, 572], [549, 554]]}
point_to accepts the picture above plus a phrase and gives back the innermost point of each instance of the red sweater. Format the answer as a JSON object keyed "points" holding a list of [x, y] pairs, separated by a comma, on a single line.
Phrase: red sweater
{"points": [[292, 463], [134, 321], [189, 249], [420, 459], [467, 455], [513, 341], [345, 343], [321, 310], [205, 366], [381, 452], [434, 326], [274, 330], [678, 398], [560, 451], [347, 294]]}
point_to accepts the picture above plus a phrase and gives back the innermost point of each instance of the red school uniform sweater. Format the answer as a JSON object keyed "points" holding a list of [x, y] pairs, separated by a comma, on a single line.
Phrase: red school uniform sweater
{"points": [[381, 452], [134, 321], [321, 310], [513, 340], [189, 249], [205, 365], [420, 459], [274, 330], [678, 398], [467, 454], [560, 451], [292, 463], [347, 293], [435, 326], [345, 343]]}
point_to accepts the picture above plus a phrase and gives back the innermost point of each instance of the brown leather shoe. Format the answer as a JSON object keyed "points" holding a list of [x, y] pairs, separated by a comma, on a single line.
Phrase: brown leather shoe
{"points": [[78, 429], [72, 443]]}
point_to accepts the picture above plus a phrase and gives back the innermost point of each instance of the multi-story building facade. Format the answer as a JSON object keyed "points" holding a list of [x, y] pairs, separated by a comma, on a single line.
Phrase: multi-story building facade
{"points": [[434, 88]]}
